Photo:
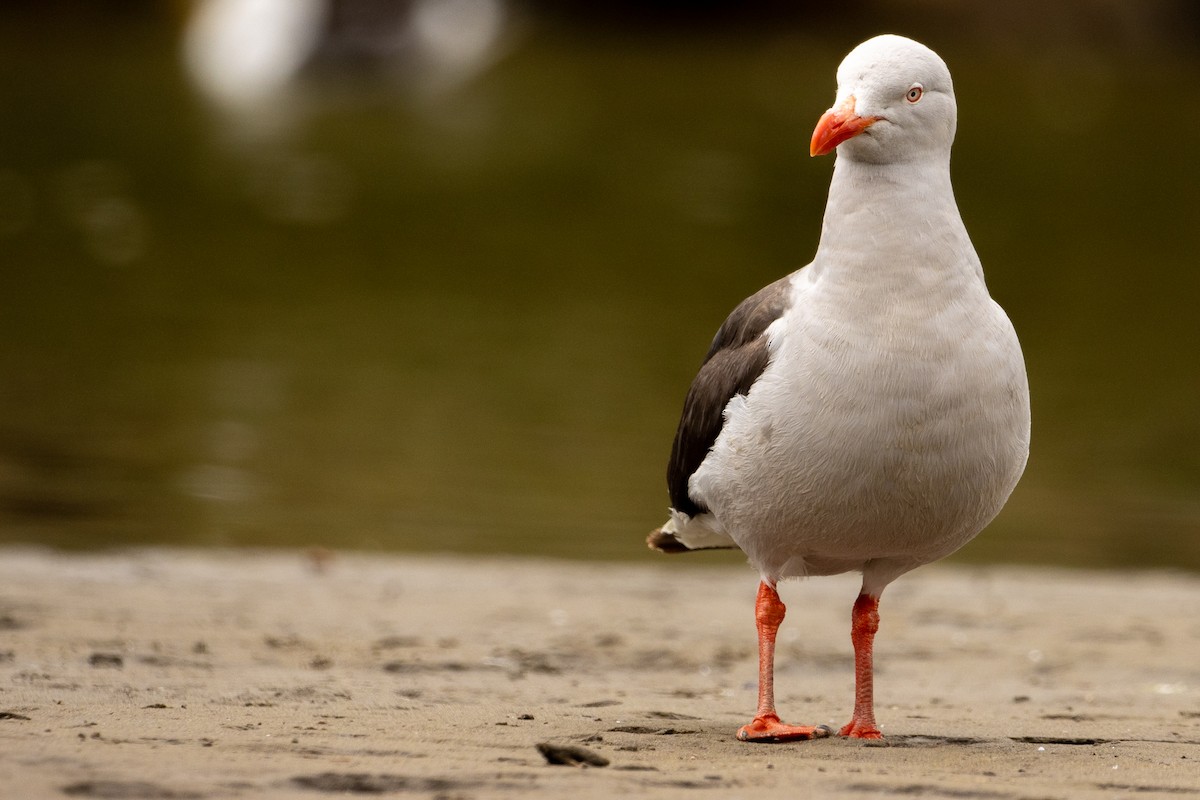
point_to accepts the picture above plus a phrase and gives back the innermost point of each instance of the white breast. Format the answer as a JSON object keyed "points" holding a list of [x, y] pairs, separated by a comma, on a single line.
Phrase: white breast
{"points": [[890, 426]]}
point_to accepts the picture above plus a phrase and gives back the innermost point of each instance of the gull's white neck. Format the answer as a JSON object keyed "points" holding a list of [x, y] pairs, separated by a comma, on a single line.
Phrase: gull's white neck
{"points": [[894, 225]]}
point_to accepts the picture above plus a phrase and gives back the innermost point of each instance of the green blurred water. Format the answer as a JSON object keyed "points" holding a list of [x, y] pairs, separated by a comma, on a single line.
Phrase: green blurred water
{"points": [[467, 322]]}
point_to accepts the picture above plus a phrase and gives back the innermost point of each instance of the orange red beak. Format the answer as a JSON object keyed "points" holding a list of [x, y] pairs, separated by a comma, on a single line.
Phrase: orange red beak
{"points": [[836, 126]]}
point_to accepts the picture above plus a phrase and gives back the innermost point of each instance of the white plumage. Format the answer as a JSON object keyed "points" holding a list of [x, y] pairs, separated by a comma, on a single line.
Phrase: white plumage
{"points": [[889, 420]]}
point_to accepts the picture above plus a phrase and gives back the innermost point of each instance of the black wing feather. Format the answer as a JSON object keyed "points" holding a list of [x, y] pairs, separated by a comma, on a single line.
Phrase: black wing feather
{"points": [[737, 357]]}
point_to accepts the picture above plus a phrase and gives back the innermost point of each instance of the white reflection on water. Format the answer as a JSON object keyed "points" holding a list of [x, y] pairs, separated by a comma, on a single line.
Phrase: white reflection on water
{"points": [[242, 54], [455, 39], [241, 51]]}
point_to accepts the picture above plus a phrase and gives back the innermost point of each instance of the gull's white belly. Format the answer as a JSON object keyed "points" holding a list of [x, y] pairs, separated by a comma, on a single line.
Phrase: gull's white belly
{"points": [[856, 446]]}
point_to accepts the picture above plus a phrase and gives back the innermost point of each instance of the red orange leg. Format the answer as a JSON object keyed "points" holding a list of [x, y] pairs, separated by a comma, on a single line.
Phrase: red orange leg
{"points": [[864, 624], [766, 727]]}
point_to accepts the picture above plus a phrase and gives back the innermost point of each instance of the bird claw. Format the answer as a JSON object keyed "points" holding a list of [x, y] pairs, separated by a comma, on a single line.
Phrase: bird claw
{"points": [[856, 729], [768, 729]]}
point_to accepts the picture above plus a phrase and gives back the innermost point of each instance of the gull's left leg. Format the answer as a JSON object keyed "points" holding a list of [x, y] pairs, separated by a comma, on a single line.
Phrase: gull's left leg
{"points": [[864, 623]]}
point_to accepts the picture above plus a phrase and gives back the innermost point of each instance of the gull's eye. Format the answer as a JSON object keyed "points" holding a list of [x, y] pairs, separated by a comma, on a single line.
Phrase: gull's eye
{"points": [[914, 93]]}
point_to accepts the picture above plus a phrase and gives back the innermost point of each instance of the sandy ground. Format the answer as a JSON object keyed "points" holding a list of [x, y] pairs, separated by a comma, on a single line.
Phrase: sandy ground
{"points": [[186, 674]]}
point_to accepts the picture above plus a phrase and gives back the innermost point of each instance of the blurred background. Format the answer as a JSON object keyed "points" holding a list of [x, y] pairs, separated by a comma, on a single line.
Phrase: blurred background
{"points": [[436, 274]]}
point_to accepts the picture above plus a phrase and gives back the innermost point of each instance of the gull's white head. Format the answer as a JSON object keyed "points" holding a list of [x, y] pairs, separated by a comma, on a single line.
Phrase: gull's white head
{"points": [[895, 102]]}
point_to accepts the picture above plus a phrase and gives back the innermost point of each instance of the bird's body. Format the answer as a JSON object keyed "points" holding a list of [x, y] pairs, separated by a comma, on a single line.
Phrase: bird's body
{"points": [[870, 411], [882, 433]]}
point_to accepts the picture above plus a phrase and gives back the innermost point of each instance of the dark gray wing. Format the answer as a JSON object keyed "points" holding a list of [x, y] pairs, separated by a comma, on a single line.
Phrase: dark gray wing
{"points": [[737, 357]]}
